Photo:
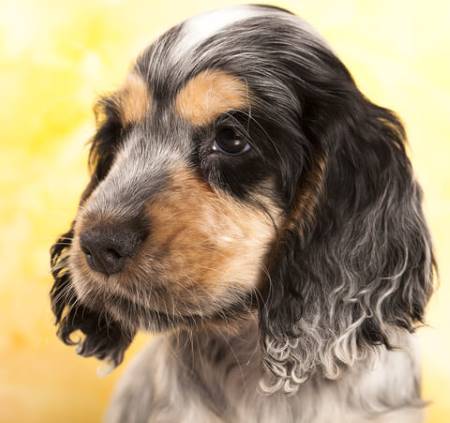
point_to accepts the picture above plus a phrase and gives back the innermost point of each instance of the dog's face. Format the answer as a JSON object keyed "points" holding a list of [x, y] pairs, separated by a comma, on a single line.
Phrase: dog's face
{"points": [[239, 168], [179, 227]]}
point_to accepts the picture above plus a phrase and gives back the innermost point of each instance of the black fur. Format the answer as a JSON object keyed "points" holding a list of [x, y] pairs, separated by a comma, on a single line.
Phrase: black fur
{"points": [[353, 260], [365, 257]]}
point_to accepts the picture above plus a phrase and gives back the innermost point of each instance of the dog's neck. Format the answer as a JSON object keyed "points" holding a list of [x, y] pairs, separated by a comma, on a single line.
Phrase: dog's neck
{"points": [[226, 367], [212, 374], [220, 350]]}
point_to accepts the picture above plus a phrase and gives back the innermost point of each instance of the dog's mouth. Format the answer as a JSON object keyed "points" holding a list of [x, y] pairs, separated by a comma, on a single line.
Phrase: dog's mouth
{"points": [[156, 309], [132, 313], [135, 314]]}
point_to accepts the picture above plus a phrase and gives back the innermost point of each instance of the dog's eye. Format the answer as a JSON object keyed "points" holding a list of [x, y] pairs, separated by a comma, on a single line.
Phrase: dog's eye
{"points": [[229, 142]]}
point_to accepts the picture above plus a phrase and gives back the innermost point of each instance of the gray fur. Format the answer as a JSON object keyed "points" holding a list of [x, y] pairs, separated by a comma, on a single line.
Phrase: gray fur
{"points": [[207, 377], [342, 349]]}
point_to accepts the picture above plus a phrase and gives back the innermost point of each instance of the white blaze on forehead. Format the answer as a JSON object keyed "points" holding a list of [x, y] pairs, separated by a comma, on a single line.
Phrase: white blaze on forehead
{"points": [[201, 27]]}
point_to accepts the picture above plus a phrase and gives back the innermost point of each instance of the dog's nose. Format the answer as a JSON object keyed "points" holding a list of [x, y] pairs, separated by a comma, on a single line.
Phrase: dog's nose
{"points": [[107, 247]]}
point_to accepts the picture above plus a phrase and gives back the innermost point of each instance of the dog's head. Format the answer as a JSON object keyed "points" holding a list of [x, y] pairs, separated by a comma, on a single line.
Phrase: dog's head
{"points": [[240, 170]]}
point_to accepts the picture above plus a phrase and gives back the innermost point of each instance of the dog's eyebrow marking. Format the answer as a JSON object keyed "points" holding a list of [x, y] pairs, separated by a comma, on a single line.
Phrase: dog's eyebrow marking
{"points": [[133, 99], [209, 94]]}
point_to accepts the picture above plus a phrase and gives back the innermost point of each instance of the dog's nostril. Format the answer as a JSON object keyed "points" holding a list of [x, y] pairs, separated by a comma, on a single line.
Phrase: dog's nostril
{"points": [[113, 253], [111, 261], [106, 247]]}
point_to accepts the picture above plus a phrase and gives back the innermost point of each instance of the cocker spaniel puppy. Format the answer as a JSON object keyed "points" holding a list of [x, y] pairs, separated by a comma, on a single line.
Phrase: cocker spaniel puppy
{"points": [[249, 204]]}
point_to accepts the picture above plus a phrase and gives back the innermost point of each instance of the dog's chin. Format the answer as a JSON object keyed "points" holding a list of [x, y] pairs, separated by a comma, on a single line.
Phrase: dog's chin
{"points": [[134, 316], [146, 318], [130, 313]]}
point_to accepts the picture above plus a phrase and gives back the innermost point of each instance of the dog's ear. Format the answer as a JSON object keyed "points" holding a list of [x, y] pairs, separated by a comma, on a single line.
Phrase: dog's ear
{"points": [[103, 337], [354, 262]]}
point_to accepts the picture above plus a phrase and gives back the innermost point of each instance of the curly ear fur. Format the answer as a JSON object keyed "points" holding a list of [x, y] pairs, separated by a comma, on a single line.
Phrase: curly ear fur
{"points": [[354, 262], [104, 338]]}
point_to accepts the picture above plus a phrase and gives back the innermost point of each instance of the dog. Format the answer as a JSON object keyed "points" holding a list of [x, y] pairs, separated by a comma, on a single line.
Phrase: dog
{"points": [[251, 206]]}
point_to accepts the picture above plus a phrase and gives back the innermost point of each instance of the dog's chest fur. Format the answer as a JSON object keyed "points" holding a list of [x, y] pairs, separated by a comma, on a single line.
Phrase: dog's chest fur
{"points": [[212, 378]]}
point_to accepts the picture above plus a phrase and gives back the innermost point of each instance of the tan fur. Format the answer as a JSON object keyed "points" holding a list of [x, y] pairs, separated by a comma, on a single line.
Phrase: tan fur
{"points": [[133, 100], [308, 194], [204, 241], [204, 249], [210, 94]]}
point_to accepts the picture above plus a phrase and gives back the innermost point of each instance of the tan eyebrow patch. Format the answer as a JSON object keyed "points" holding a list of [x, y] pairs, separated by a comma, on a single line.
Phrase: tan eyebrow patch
{"points": [[133, 99], [209, 94]]}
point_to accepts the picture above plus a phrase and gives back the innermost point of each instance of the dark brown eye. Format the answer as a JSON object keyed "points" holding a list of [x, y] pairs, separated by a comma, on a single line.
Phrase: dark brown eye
{"points": [[228, 141]]}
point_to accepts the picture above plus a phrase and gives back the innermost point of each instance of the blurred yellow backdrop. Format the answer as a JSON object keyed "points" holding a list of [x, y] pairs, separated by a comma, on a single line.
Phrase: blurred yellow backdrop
{"points": [[57, 56]]}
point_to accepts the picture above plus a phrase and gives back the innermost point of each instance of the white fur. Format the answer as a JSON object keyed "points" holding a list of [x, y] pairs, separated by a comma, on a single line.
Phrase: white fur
{"points": [[373, 391], [203, 26]]}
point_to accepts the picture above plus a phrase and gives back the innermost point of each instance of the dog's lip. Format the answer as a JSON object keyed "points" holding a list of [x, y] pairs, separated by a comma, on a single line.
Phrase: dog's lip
{"points": [[124, 302], [121, 299]]}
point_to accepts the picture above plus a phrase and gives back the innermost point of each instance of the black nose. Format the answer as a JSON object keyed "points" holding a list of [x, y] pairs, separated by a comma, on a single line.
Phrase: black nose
{"points": [[107, 247]]}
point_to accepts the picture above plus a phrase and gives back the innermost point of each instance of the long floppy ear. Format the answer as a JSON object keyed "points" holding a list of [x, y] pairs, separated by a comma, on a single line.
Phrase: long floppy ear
{"points": [[354, 261], [103, 338]]}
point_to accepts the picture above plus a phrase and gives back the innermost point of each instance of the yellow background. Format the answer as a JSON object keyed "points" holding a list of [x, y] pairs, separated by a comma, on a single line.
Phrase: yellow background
{"points": [[57, 56]]}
